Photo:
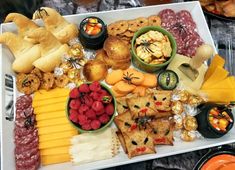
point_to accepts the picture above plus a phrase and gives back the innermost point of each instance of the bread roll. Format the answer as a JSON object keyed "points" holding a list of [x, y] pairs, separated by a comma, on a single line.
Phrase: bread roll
{"points": [[56, 24]]}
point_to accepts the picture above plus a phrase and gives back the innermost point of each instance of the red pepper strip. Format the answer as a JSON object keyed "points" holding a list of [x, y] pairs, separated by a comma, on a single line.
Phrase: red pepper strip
{"points": [[160, 140], [134, 126], [158, 103], [144, 110]]}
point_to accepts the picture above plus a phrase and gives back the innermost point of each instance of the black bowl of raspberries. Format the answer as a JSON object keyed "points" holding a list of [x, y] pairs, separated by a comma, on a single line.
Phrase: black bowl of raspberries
{"points": [[91, 107]]}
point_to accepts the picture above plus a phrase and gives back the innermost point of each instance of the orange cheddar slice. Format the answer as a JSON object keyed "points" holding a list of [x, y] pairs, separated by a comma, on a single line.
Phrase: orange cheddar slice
{"points": [[217, 61], [58, 135], [52, 122], [55, 159], [55, 143], [55, 151]]}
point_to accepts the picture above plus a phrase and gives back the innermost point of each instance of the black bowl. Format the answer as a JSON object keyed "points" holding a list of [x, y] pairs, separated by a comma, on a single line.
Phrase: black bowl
{"points": [[204, 126]]}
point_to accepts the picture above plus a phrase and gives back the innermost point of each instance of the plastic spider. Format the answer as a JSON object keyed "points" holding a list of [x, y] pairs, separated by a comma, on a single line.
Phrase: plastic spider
{"points": [[128, 77], [29, 121], [40, 14]]}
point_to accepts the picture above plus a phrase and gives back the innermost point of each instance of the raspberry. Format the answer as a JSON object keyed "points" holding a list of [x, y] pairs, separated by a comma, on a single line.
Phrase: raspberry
{"points": [[82, 119], [103, 92], [88, 100], [75, 103], [97, 106], [90, 114], [95, 96], [84, 88], [73, 115], [95, 86], [83, 108], [109, 109], [95, 124], [104, 118], [98, 113], [86, 126], [74, 93]]}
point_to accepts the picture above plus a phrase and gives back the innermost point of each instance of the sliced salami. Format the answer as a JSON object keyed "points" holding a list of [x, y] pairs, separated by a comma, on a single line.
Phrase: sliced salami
{"points": [[24, 140], [28, 162], [23, 113], [26, 154], [33, 144], [23, 131]]}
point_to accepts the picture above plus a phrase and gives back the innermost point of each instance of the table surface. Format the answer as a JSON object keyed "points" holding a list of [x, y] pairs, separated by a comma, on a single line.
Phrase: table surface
{"points": [[223, 32]]}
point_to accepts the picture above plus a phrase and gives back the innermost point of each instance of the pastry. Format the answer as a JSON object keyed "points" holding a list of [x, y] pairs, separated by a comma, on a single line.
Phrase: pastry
{"points": [[138, 143], [56, 24], [162, 131], [25, 52], [27, 83], [142, 106], [24, 24], [124, 122], [122, 141], [51, 50], [121, 105]]}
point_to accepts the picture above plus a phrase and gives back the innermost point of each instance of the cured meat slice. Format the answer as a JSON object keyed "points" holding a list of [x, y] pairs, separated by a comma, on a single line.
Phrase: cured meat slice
{"points": [[26, 154], [33, 144], [24, 140], [23, 113], [24, 122], [23, 131], [24, 163], [168, 18], [23, 101]]}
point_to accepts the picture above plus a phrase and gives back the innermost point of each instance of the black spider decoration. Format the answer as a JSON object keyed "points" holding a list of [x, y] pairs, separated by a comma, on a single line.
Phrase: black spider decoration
{"points": [[128, 77], [181, 27], [39, 12], [29, 121]]}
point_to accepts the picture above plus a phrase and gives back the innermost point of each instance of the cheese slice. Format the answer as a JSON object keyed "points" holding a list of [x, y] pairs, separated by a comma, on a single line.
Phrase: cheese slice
{"points": [[55, 151], [38, 103], [55, 129], [220, 95], [50, 115], [229, 83], [55, 159], [217, 61], [50, 108], [51, 122], [218, 75], [55, 143], [58, 135], [54, 93]]}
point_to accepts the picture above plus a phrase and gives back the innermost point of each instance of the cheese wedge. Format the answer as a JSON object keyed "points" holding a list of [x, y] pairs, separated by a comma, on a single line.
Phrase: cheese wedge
{"points": [[50, 115], [228, 82], [50, 108], [58, 135], [38, 103], [55, 143], [218, 75], [55, 129], [54, 93], [55, 159], [52, 122], [224, 96], [217, 61], [55, 151]]}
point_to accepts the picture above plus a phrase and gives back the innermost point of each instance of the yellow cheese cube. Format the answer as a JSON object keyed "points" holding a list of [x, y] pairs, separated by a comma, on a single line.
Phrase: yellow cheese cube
{"points": [[51, 122], [58, 135], [38, 103], [55, 143], [50, 115], [55, 151], [55, 159], [55, 129], [50, 108]]}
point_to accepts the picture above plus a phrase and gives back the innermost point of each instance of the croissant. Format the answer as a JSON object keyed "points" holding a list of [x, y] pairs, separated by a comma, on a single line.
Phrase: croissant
{"points": [[51, 50], [25, 53], [56, 24], [23, 23]]}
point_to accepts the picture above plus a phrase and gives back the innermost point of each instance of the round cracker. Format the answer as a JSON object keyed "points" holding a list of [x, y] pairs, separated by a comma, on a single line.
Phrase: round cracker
{"points": [[154, 20], [118, 27]]}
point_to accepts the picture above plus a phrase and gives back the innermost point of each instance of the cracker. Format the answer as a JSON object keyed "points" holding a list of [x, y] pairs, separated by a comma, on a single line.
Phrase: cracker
{"points": [[118, 27], [154, 20]]}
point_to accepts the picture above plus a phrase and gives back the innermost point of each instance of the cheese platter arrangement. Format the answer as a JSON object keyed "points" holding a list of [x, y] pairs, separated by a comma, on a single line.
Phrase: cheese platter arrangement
{"points": [[98, 90]]}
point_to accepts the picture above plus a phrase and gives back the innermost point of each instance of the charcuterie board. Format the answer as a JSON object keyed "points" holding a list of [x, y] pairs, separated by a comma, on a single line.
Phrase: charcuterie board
{"points": [[120, 157]]}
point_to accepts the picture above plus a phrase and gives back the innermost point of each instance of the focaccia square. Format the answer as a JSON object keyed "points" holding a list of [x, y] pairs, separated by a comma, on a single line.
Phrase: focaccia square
{"points": [[138, 142], [142, 106], [121, 105]]}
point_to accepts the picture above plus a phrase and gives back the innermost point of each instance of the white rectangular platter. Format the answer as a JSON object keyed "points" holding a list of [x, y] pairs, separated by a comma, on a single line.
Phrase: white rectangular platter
{"points": [[6, 58]]}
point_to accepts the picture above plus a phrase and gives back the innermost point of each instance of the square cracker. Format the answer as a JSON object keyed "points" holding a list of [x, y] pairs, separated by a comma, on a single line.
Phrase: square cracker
{"points": [[142, 106]]}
